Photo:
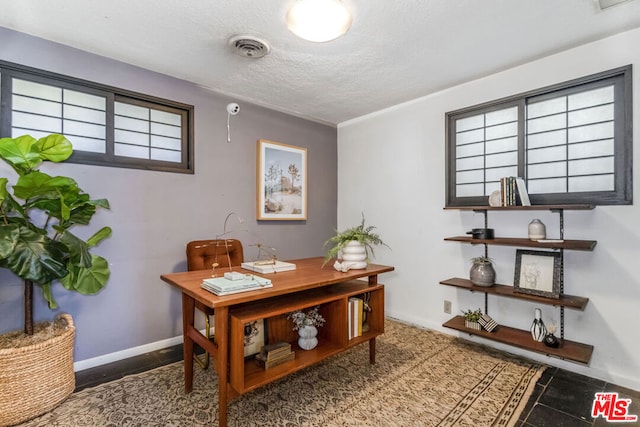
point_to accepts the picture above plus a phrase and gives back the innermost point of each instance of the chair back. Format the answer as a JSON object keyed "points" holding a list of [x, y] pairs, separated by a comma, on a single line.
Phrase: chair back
{"points": [[201, 254]]}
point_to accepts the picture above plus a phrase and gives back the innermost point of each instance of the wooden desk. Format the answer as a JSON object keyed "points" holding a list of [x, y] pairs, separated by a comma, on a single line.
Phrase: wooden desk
{"points": [[307, 286]]}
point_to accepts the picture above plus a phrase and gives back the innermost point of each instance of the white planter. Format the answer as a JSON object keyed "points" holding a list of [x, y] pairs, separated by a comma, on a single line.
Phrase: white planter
{"points": [[354, 255], [308, 340]]}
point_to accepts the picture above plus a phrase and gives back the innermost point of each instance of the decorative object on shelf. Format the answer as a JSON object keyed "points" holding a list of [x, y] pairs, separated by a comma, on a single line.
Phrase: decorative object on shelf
{"points": [[274, 354], [482, 272], [538, 330], [537, 230], [307, 325], [471, 319], [487, 323], [37, 245], [537, 273], [481, 233], [253, 337], [495, 199], [307, 340], [550, 340], [343, 246], [282, 181]]}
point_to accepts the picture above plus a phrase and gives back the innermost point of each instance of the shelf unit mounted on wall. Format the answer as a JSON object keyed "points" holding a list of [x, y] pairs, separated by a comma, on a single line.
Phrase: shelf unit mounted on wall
{"points": [[568, 350]]}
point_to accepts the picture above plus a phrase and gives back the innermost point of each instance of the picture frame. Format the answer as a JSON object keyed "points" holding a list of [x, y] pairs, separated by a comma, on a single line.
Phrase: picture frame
{"points": [[537, 273], [254, 338], [281, 181]]}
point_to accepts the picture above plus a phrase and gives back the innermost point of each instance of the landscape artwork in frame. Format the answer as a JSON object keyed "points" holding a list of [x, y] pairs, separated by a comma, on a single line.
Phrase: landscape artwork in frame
{"points": [[282, 181], [537, 273]]}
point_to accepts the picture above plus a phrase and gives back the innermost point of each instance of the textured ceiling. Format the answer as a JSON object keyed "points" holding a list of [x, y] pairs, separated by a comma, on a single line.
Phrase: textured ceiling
{"points": [[395, 51]]}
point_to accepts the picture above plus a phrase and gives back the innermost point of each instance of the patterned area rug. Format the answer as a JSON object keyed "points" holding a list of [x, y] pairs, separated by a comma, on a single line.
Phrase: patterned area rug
{"points": [[421, 378]]}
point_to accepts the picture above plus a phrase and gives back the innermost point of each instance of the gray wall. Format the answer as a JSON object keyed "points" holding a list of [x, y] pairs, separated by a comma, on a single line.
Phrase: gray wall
{"points": [[154, 214]]}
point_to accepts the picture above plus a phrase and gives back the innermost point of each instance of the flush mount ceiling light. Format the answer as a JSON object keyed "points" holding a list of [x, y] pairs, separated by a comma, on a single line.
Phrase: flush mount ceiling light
{"points": [[318, 20]]}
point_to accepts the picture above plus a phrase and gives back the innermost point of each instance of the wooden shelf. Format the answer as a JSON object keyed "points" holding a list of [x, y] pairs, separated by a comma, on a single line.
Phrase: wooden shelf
{"points": [[575, 245], [522, 208], [246, 375], [569, 301], [568, 350]]}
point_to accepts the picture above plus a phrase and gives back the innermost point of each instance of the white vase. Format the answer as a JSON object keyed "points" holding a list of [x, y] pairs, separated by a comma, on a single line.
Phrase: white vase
{"points": [[307, 340], [355, 254], [537, 230]]}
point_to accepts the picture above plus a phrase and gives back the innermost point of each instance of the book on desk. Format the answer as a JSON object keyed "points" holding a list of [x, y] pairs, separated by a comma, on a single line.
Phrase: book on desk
{"points": [[268, 266], [223, 286]]}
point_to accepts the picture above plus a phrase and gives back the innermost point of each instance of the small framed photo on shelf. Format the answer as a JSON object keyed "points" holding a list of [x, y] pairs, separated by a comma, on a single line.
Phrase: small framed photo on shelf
{"points": [[537, 273], [282, 182], [254, 337]]}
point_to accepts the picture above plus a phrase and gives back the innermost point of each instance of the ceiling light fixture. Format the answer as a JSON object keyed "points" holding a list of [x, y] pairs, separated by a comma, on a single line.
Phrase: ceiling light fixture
{"points": [[319, 20]]}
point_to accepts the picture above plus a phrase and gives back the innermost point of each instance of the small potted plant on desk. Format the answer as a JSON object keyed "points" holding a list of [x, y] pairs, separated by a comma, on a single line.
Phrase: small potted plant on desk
{"points": [[353, 246]]}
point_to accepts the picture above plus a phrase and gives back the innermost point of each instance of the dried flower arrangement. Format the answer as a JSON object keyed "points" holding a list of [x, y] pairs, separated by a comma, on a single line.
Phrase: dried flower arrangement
{"points": [[311, 318]]}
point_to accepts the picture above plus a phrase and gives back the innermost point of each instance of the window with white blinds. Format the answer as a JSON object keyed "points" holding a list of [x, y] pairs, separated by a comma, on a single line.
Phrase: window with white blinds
{"points": [[39, 109], [572, 143], [486, 150], [106, 126]]}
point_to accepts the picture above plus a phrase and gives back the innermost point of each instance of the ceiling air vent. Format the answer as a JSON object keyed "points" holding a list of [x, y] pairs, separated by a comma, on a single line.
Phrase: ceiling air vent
{"points": [[249, 46]]}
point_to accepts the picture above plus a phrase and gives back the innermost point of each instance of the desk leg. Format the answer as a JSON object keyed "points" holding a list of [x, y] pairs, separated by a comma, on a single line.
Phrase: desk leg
{"points": [[221, 321], [188, 309], [372, 351]]}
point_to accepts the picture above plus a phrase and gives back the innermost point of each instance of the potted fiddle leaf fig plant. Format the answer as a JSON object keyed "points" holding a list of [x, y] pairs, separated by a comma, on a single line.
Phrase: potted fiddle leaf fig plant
{"points": [[353, 246], [37, 213]]}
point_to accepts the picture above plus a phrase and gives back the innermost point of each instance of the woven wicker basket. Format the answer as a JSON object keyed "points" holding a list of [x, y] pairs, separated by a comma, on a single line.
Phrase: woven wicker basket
{"points": [[36, 378]]}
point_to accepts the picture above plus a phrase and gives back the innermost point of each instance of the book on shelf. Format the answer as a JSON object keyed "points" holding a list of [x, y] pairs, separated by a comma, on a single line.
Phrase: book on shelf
{"points": [[268, 266], [269, 359], [223, 286], [522, 192], [268, 364], [275, 350], [356, 313], [513, 191]]}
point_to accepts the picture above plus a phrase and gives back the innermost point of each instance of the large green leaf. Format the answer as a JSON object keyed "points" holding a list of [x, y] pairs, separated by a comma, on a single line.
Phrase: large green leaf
{"points": [[9, 234], [48, 296], [55, 148], [87, 280], [36, 257], [78, 250], [102, 234], [21, 153]]}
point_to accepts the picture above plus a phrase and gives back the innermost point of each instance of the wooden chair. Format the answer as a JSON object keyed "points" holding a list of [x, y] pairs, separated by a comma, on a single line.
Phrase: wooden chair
{"points": [[202, 255]]}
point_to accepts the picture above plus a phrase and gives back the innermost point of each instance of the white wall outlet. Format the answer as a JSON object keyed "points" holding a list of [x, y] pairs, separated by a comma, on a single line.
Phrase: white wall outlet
{"points": [[447, 307]]}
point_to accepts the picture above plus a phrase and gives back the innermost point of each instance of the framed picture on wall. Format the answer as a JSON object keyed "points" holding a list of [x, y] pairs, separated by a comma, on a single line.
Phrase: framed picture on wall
{"points": [[281, 181], [537, 273]]}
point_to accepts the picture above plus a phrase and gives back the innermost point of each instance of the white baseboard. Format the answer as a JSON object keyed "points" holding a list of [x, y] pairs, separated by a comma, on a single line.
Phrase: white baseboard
{"points": [[129, 352]]}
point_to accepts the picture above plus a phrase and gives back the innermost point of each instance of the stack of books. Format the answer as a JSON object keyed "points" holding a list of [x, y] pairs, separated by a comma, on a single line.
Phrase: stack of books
{"points": [[223, 286], [275, 354], [513, 192], [356, 316], [268, 266]]}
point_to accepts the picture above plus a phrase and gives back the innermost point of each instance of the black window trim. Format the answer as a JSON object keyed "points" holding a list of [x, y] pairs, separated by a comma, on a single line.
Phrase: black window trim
{"points": [[113, 94], [623, 145]]}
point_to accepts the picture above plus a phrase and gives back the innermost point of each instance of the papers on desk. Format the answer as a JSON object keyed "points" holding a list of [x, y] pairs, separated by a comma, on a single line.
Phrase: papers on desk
{"points": [[266, 267], [221, 286]]}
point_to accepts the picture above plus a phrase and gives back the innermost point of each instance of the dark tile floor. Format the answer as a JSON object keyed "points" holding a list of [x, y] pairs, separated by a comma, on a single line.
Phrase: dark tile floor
{"points": [[561, 398]]}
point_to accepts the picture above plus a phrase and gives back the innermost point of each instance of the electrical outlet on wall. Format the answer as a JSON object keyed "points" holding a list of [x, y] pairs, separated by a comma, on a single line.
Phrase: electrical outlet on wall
{"points": [[447, 307]]}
